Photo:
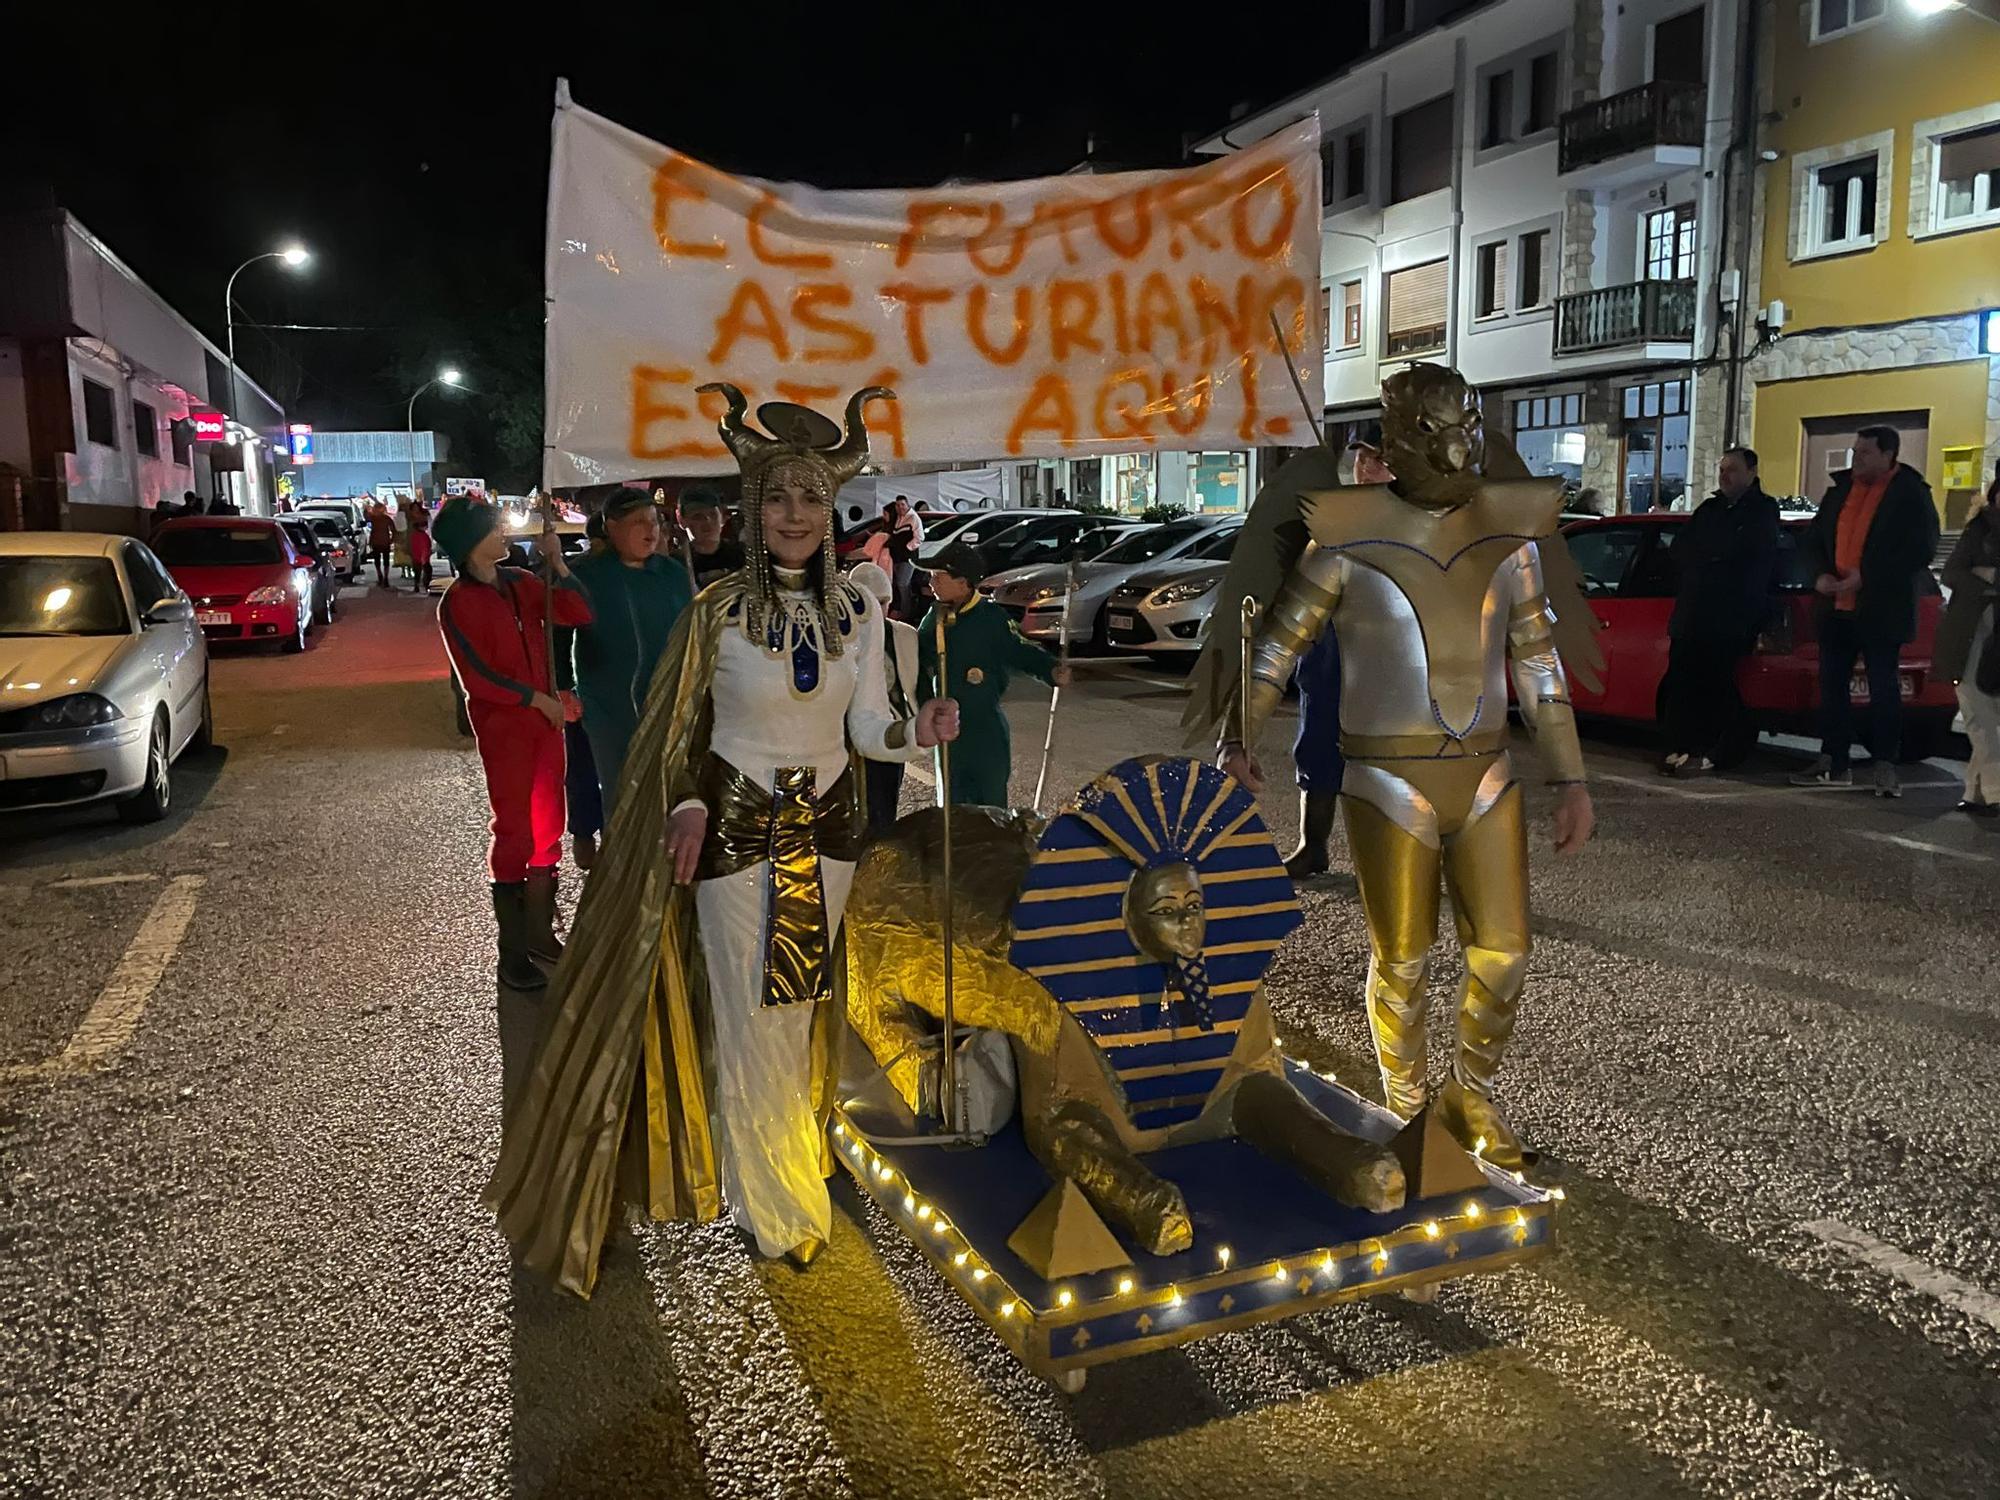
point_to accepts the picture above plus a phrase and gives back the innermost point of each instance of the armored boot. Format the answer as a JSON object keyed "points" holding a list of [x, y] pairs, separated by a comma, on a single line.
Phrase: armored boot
{"points": [[1487, 1003], [510, 914], [1316, 815], [1396, 1002], [539, 894]]}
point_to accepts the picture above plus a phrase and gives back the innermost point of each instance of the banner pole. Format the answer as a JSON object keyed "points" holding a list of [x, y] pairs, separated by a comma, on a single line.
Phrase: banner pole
{"points": [[948, 1101]]}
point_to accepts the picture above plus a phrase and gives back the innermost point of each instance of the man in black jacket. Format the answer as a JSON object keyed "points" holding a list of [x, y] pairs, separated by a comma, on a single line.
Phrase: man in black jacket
{"points": [[1874, 536], [1727, 557]]}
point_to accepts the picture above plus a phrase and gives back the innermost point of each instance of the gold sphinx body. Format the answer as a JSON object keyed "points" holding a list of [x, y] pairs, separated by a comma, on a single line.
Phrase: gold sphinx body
{"points": [[1432, 585], [1084, 1116]]}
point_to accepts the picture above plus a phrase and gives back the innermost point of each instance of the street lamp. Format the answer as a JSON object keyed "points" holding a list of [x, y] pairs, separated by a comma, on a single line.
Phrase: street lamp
{"points": [[293, 256], [447, 376]]}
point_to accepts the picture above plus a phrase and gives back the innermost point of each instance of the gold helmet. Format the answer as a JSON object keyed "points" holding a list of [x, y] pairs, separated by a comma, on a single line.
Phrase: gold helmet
{"points": [[1433, 435], [804, 449]]}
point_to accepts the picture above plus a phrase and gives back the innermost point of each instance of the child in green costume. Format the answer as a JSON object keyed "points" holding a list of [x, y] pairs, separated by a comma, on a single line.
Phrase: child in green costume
{"points": [[982, 650]]}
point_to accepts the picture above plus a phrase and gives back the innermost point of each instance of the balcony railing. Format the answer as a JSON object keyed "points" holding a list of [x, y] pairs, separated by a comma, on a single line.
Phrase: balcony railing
{"points": [[1641, 312], [1654, 114]]}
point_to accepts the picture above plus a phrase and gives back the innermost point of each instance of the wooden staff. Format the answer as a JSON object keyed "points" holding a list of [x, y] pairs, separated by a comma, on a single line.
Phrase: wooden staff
{"points": [[948, 1101], [1055, 692], [549, 592]]}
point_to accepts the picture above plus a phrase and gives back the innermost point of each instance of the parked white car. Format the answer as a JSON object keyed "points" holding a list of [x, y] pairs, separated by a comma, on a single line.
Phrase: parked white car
{"points": [[1164, 610], [103, 674]]}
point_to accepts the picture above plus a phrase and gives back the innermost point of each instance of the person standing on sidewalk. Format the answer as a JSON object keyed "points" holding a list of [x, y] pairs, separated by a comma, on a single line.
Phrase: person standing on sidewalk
{"points": [[1967, 650], [381, 541], [491, 619], [1876, 530], [884, 778], [636, 594], [710, 554], [984, 650], [420, 548], [1727, 557]]}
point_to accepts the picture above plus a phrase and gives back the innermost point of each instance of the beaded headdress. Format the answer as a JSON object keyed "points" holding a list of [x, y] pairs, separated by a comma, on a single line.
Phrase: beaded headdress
{"points": [[805, 449]]}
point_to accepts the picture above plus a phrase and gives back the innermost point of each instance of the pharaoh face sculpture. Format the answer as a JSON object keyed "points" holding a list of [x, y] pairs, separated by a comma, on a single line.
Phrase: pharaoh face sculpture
{"points": [[1165, 912], [1433, 436]]}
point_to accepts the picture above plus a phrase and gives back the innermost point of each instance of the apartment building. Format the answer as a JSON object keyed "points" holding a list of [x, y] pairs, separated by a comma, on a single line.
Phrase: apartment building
{"points": [[1530, 190], [1878, 212]]}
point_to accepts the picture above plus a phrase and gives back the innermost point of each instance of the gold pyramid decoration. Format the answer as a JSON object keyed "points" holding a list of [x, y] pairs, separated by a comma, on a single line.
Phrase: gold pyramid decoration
{"points": [[1433, 1162], [1063, 1236]]}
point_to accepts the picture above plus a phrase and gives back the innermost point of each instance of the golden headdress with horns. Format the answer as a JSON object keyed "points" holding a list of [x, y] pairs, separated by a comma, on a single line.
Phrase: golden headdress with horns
{"points": [[803, 448]]}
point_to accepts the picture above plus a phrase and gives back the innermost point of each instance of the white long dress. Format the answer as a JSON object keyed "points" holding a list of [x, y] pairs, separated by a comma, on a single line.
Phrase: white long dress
{"points": [[765, 719]]}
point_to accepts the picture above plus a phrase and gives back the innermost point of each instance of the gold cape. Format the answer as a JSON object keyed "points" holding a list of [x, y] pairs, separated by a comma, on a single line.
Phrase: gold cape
{"points": [[631, 985]]}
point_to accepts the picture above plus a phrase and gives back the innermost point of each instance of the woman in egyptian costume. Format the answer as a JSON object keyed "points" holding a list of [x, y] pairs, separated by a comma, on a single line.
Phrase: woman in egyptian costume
{"points": [[686, 1060]]}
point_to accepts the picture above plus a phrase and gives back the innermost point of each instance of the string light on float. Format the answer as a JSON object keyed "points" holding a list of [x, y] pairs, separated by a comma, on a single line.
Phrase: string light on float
{"points": [[1222, 1256], [1065, 1297], [1278, 1272], [1125, 1285]]}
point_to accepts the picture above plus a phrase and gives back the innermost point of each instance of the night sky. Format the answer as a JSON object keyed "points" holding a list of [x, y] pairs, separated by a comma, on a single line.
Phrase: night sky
{"points": [[417, 173]]}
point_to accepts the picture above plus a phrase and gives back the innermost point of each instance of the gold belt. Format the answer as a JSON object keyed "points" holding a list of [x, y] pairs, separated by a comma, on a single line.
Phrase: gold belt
{"points": [[749, 824], [1421, 746]]}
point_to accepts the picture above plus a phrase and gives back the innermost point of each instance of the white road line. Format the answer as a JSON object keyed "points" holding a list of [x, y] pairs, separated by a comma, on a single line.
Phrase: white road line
{"points": [[1664, 787], [1881, 1256], [1902, 842], [109, 1023], [85, 882]]}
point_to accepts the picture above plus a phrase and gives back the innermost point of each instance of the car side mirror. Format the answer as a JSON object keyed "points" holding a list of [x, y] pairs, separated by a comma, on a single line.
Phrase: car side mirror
{"points": [[167, 610]]}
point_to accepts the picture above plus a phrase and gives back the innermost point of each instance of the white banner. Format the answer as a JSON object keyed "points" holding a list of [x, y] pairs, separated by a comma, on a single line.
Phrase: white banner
{"points": [[1058, 317]]}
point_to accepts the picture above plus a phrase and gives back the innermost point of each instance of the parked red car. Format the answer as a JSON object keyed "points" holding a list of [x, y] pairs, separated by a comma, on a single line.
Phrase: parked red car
{"points": [[1628, 567], [248, 580]]}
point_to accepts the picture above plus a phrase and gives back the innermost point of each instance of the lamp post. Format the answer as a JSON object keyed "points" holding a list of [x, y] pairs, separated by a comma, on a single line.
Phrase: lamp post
{"points": [[293, 256], [446, 376]]}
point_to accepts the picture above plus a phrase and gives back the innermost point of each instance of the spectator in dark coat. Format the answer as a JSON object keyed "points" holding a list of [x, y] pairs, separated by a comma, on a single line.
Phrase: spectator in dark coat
{"points": [[1875, 534], [1968, 653], [1727, 557]]}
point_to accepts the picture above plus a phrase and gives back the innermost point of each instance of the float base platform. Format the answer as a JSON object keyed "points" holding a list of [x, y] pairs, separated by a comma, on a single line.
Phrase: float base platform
{"points": [[1266, 1245]]}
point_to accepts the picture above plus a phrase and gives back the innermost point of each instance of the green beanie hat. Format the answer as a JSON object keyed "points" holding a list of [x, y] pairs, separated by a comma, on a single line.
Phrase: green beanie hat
{"points": [[462, 524]]}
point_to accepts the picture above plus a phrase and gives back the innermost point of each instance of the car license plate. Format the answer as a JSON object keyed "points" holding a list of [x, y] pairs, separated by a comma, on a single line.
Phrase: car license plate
{"points": [[211, 617], [1121, 622], [1857, 686]]}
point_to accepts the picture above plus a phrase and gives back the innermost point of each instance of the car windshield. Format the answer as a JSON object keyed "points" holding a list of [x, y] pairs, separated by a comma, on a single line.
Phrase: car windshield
{"points": [[217, 546], [1148, 545], [1038, 542], [60, 596], [329, 528]]}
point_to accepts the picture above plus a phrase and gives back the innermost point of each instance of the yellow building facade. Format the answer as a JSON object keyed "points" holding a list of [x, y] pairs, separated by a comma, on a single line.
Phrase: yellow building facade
{"points": [[1878, 216]]}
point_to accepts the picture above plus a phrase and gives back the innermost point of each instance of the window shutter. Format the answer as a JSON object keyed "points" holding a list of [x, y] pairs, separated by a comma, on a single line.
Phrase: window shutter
{"points": [[1418, 297], [1963, 156]]}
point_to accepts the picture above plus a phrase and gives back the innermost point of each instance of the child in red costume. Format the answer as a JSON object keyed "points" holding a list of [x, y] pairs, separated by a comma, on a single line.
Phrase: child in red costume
{"points": [[492, 618]]}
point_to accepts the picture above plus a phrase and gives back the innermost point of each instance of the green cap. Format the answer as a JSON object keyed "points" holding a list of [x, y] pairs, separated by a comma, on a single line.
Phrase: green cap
{"points": [[463, 523]]}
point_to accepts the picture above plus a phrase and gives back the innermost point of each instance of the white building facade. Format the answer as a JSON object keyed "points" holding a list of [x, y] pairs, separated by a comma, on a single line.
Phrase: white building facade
{"points": [[103, 387], [1527, 191]]}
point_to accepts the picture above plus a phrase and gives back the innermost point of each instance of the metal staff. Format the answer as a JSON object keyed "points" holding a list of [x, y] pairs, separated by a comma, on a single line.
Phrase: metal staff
{"points": [[948, 1102], [1249, 640], [1055, 691]]}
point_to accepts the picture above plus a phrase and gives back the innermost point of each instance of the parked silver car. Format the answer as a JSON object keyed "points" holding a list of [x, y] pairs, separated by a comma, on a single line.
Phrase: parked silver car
{"points": [[1163, 610], [1038, 598]]}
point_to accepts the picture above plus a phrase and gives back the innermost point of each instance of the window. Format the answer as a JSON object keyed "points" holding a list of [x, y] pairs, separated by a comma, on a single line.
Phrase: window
{"points": [[1679, 48], [1326, 320], [1967, 184], [150, 583], [1517, 96], [1416, 300], [1490, 291], [181, 434], [1544, 84], [1420, 149], [1350, 315], [1603, 555], [1843, 205], [145, 429], [1395, 18], [1532, 281], [1549, 436], [1496, 110], [1670, 243], [1833, 17], [1343, 166], [100, 423]]}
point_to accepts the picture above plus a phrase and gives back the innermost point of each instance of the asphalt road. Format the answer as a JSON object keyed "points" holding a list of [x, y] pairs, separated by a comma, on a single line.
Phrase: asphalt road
{"points": [[241, 1251]]}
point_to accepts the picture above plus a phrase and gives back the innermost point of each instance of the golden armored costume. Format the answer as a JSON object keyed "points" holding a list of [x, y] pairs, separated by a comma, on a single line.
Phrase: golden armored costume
{"points": [[1432, 584]]}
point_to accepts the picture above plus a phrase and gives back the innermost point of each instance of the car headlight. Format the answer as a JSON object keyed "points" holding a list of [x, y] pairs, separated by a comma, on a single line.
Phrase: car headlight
{"points": [[1180, 593], [270, 593], [75, 711]]}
